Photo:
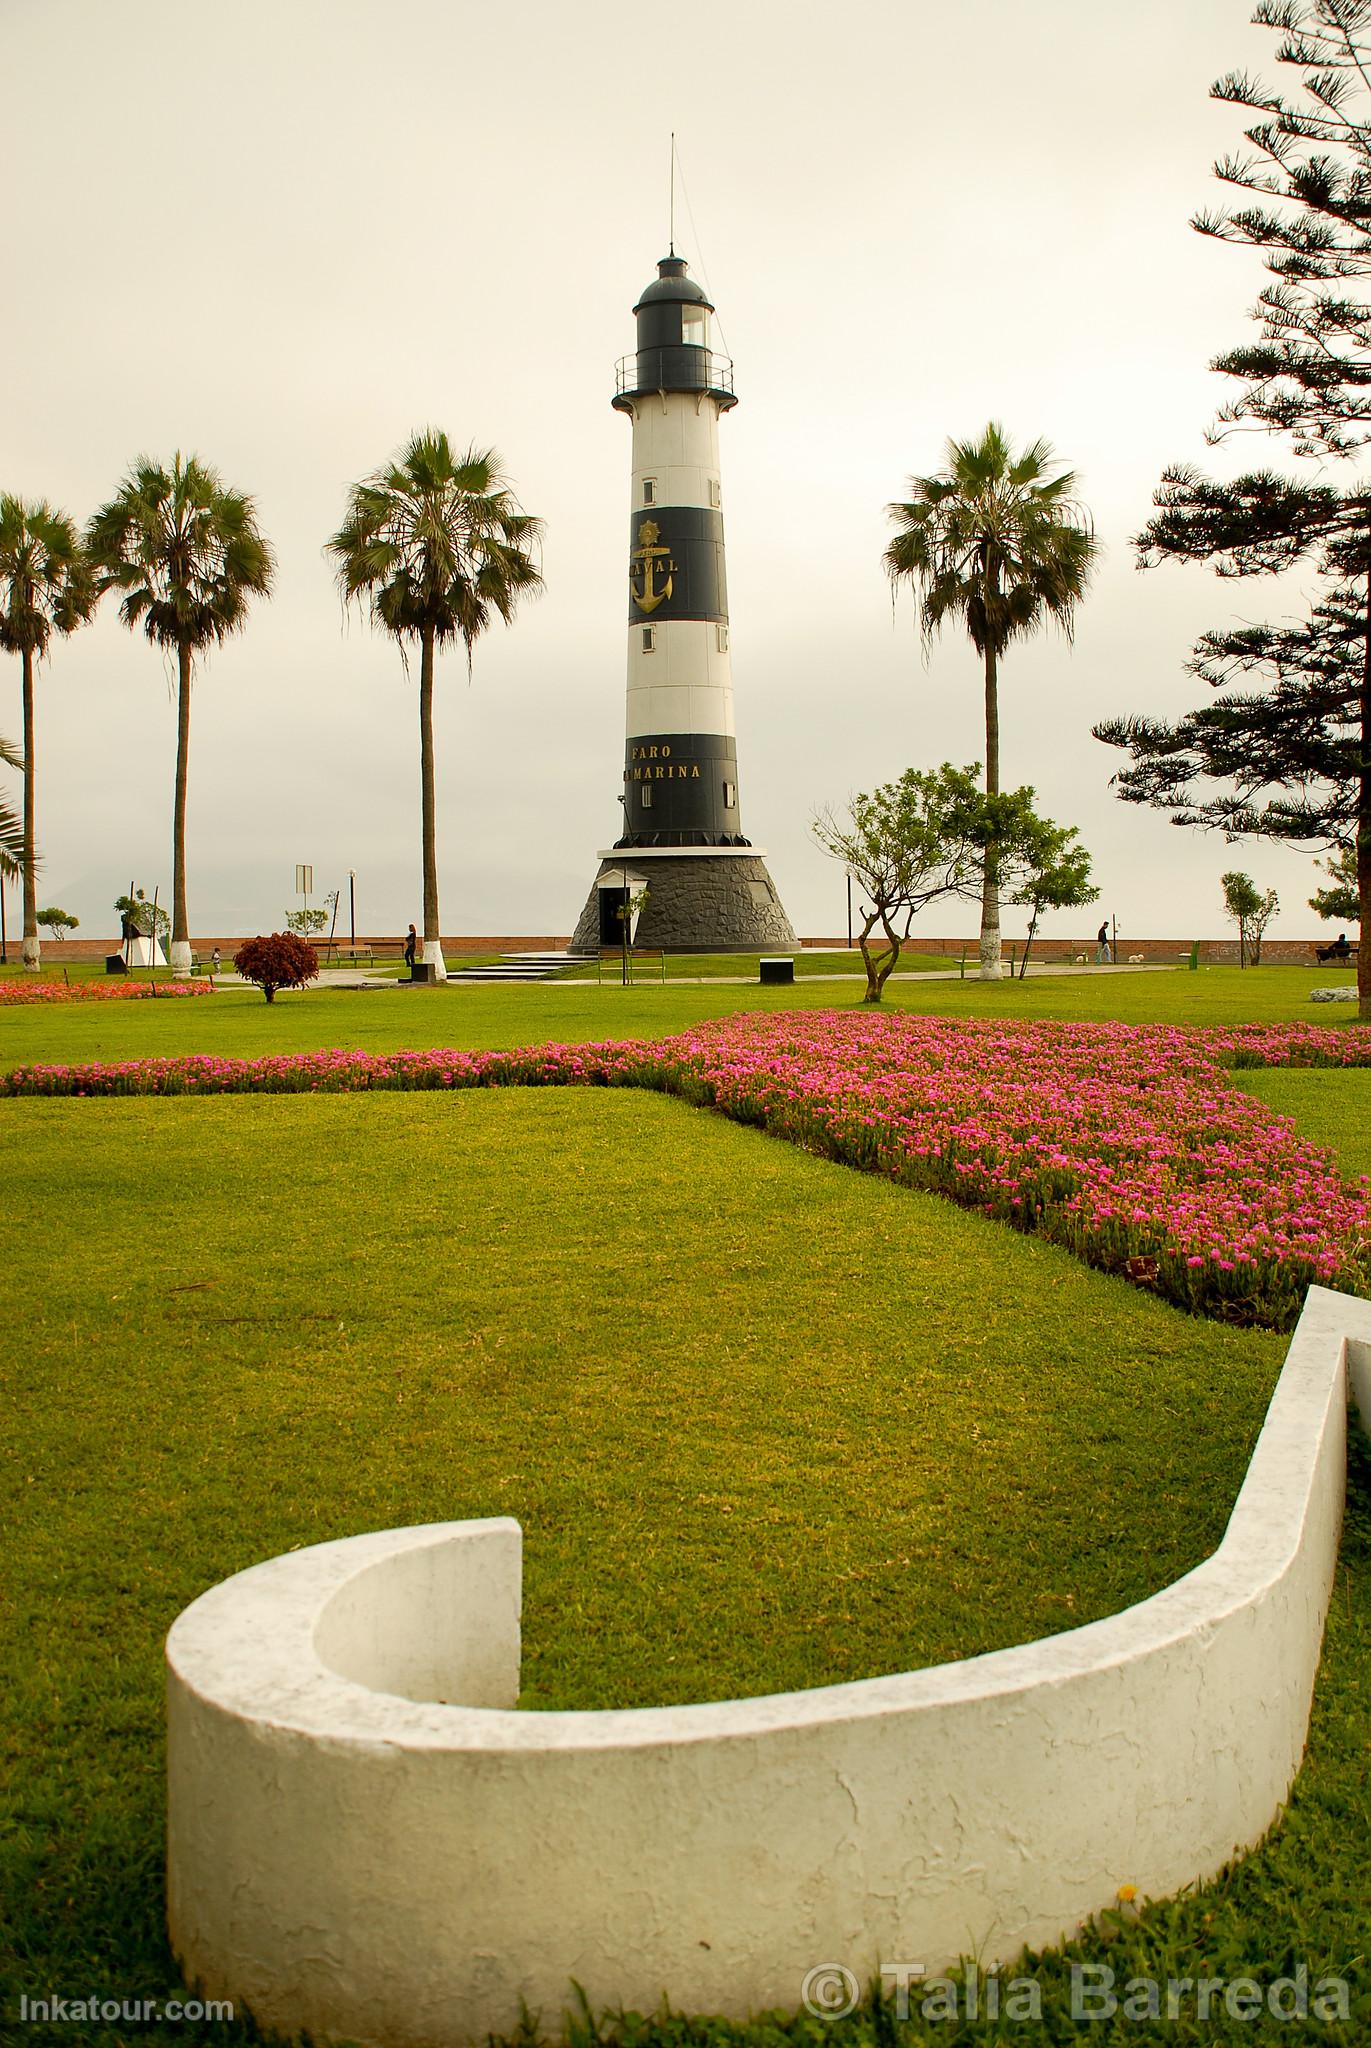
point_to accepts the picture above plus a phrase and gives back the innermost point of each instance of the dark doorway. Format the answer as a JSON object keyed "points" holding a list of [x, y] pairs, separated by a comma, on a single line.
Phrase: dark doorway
{"points": [[612, 901]]}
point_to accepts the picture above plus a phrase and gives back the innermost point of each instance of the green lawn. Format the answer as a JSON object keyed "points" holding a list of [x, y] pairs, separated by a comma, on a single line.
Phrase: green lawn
{"points": [[766, 1423], [1336, 1115], [237, 1021]]}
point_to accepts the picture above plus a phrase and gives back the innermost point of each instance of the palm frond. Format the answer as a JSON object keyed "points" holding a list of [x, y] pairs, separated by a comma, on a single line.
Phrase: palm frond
{"points": [[185, 552], [11, 825], [435, 543], [46, 585], [995, 539]]}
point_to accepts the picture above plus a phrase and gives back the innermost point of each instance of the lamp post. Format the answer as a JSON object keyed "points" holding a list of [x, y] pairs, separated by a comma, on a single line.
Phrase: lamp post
{"points": [[352, 907]]}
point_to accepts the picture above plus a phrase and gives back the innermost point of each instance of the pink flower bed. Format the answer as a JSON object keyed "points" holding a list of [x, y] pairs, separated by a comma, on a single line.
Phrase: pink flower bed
{"points": [[27, 990], [1126, 1144]]}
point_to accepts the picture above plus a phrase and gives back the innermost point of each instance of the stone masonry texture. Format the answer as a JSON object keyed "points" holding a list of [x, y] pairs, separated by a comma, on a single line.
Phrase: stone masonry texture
{"points": [[698, 905]]}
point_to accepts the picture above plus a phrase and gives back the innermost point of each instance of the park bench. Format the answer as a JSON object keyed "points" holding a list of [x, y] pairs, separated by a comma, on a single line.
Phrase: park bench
{"points": [[1335, 955], [612, 957], [333, 955]]}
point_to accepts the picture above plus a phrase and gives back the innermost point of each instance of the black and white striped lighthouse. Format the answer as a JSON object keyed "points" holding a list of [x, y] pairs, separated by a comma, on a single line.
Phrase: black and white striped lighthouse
{"points": [[707, 887]]}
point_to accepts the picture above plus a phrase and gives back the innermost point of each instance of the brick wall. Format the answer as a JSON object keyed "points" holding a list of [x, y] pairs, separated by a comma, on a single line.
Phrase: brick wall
{"points": [[1213, 952]]}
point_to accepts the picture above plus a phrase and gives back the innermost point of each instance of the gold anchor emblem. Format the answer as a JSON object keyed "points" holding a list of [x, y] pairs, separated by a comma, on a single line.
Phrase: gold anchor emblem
{"points": [[647, 561]]}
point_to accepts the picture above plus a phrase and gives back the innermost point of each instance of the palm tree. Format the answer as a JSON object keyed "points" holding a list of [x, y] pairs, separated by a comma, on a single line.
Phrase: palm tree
{"points": [[187, 555], [45, 588], [433, 547], [998, 543]]}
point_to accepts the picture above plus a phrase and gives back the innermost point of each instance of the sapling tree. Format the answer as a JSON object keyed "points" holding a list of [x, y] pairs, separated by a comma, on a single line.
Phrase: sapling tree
{"points": [[282, 960], [1057, 878], [905, 844], [58, 922], [1251, 912], [930, 835], [143, 916], [306, 923]]}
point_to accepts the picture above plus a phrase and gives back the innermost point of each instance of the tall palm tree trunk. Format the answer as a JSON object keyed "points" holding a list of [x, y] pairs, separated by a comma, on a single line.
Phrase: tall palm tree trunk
{"points": [[33, 955], [433, 950], [990, 888], [180, 916]]}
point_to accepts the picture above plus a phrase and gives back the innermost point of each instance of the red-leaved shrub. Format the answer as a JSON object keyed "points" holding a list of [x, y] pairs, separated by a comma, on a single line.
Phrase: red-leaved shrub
{"points": [[280, 961]]}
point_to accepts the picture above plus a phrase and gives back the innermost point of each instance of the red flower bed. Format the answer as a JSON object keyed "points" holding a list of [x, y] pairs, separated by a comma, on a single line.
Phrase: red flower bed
{"points": [[32, 989]]}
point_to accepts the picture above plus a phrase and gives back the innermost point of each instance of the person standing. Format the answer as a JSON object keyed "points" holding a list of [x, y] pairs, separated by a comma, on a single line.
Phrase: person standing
{"points": [[411, 948], [214, 961], [1103, 951]]}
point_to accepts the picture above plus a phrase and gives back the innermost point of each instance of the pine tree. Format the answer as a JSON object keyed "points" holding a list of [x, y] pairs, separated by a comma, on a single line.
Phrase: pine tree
{"points": [[1295, 754]]}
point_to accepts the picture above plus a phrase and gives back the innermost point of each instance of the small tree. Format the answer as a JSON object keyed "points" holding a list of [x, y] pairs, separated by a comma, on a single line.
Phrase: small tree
{"points": [[284, 960], [629, 911], [1251, 912], [906, 844], [59, 922], [142, 916], [932, 834], [1058, 878], [1339, 902], [305, 923]]}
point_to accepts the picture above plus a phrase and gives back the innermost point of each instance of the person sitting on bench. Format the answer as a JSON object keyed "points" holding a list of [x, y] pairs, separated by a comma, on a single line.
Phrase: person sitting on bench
{"points": [[1339, 950]]}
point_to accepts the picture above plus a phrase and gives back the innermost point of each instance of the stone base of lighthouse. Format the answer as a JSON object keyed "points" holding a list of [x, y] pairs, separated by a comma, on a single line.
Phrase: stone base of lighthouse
{"points": [[716, 900]]}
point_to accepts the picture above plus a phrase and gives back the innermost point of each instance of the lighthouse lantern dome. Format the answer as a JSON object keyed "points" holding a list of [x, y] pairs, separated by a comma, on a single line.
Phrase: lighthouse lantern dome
{"points": [[673, 352]]}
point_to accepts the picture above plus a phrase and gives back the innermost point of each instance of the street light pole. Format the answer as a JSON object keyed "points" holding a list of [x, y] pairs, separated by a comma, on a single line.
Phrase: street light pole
{"points": [[352, 906]]}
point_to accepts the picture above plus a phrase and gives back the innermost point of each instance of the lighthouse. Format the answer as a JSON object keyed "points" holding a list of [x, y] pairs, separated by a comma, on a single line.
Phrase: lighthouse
{"points": [[681, 856]]}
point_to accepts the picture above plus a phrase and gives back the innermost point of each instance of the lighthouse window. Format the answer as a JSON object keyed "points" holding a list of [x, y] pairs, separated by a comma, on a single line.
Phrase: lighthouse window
{"points": [[721, 638], [649, 490], [649, 639], [693, 329], [714, 492], [730, 795], [645, 796]]}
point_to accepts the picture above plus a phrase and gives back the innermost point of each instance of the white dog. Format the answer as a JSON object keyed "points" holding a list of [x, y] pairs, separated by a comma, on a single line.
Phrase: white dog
{"points": [[1136, 959]]}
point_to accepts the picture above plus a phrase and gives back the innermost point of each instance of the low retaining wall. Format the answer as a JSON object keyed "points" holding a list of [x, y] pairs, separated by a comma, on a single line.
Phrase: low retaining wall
{"points": [[367, 1843]]}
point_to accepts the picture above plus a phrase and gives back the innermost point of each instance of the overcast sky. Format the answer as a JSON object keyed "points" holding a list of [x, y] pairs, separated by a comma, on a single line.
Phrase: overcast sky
{"points": [[284, 234]]}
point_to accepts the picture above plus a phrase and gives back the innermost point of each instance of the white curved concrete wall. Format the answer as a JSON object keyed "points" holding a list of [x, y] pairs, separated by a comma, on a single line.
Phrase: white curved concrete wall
{"points": [[350, 1857]]}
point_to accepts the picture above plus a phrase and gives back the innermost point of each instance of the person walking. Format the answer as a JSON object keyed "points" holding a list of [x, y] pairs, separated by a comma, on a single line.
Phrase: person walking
{"points": [[411, 948], [1103, 951]]}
